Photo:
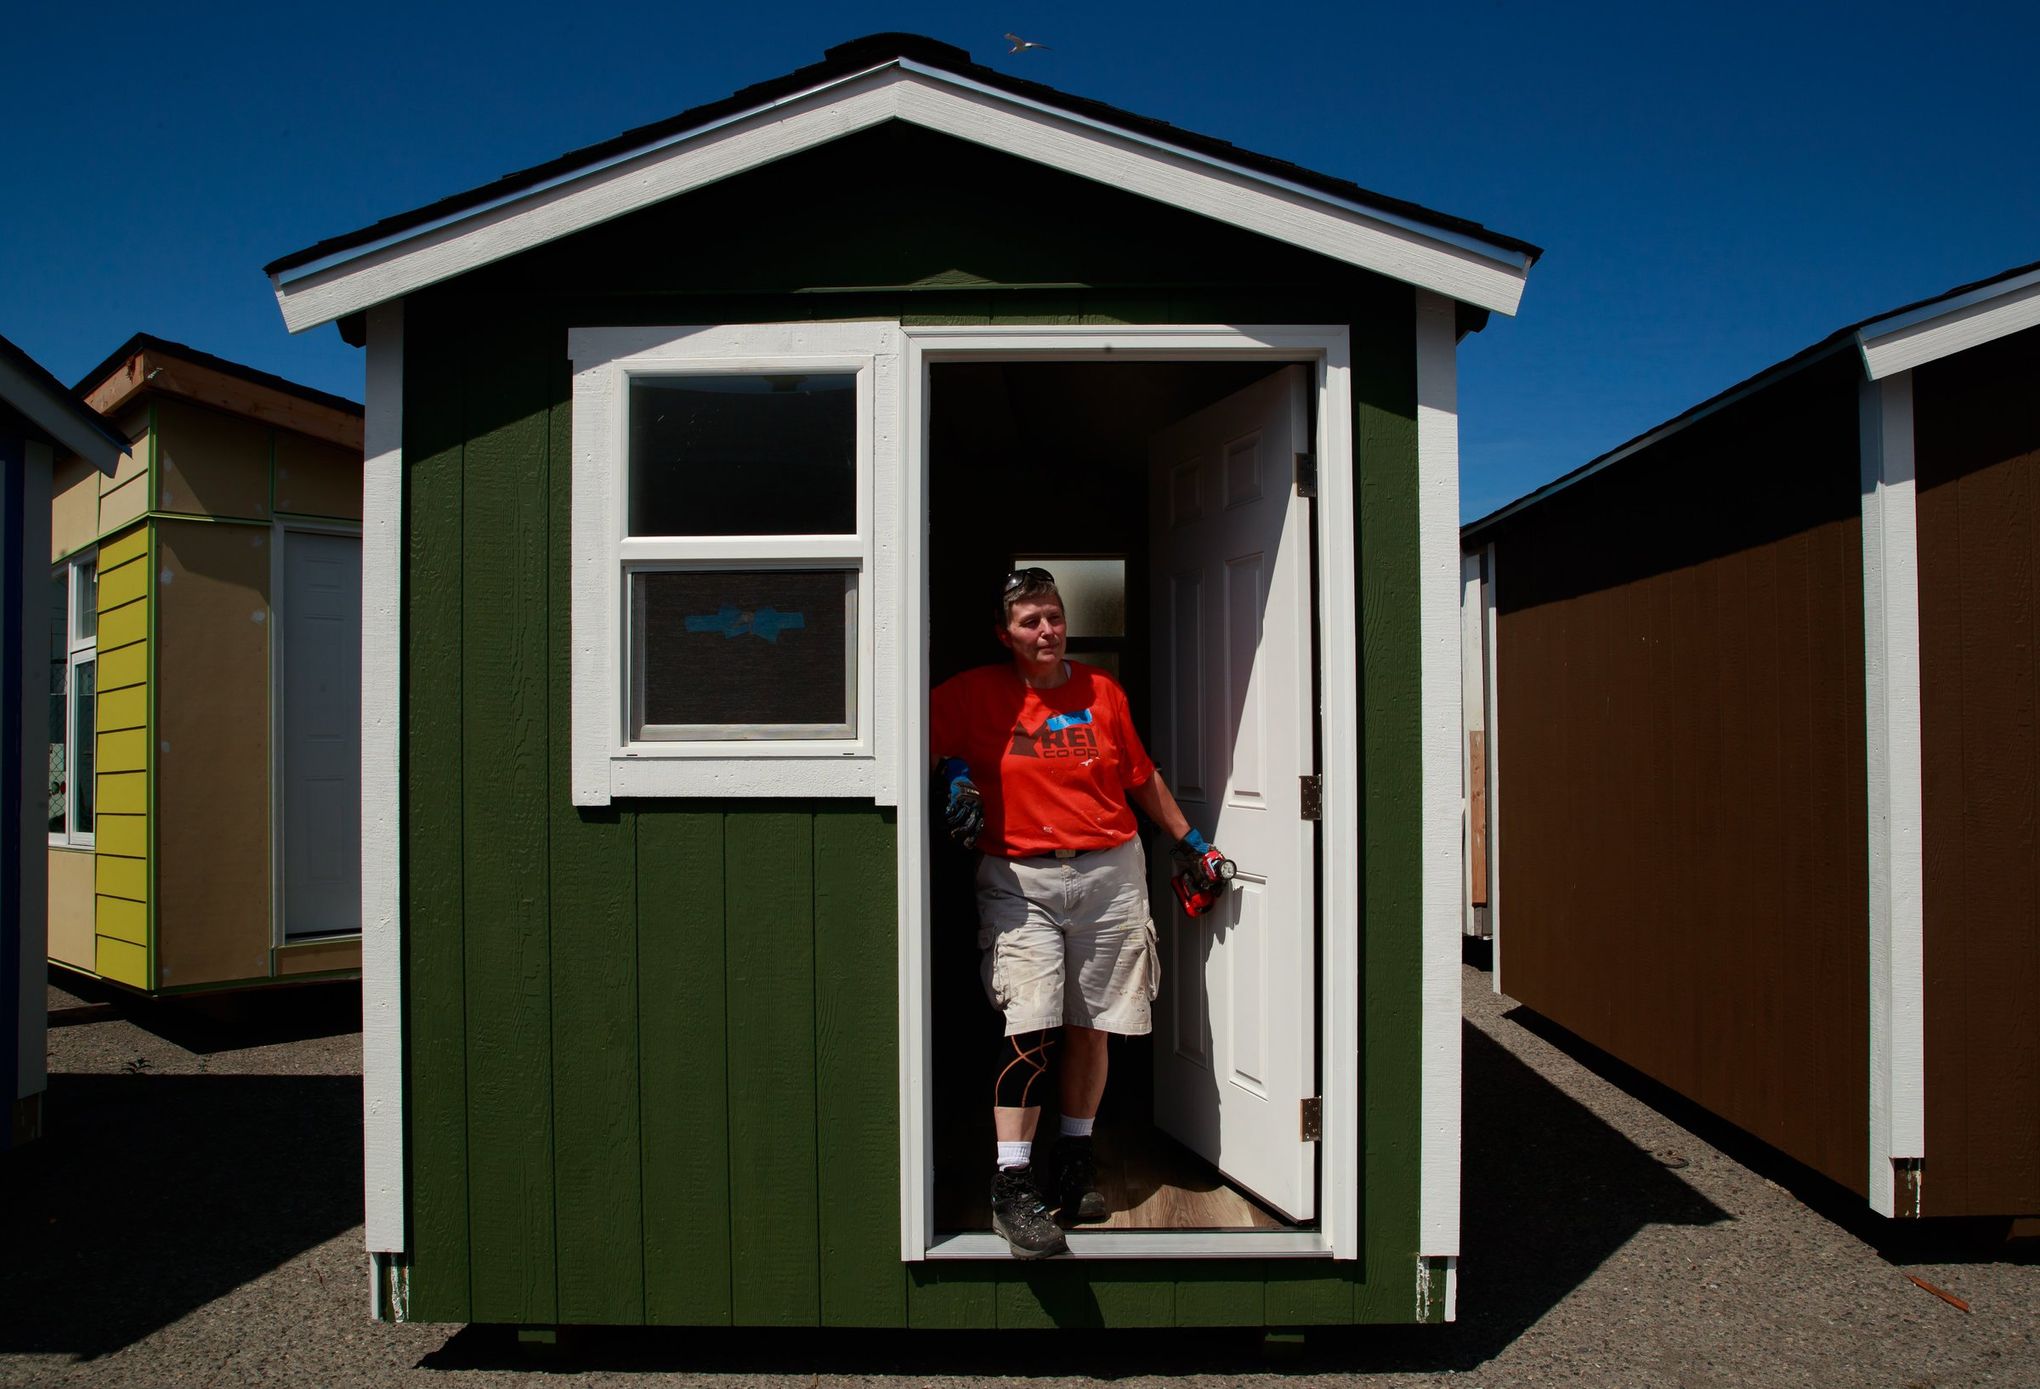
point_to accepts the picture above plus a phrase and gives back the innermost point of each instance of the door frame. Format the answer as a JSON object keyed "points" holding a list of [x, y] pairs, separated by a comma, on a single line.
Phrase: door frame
{"points": [[1326, 349], [280, 530]]}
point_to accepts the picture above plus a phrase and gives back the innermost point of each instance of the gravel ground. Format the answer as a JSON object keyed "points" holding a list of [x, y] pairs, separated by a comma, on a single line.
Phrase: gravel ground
{"points": [[193, 1219]]}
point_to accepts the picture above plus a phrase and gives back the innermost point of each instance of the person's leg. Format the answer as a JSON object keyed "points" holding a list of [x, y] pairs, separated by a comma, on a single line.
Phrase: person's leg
{"points": [[1084, 1061], [1022, 970]]}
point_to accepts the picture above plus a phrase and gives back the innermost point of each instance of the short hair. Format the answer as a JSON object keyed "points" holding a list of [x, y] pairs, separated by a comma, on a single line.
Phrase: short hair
{"points": [[1026, 585]]}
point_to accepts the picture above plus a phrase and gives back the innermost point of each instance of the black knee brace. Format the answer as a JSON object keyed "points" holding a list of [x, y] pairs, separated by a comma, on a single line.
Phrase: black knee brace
{"points": [[1023, 1059]]}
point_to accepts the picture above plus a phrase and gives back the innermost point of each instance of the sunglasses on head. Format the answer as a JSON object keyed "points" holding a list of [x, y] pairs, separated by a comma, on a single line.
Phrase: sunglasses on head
{"points": [[1030, 575]]}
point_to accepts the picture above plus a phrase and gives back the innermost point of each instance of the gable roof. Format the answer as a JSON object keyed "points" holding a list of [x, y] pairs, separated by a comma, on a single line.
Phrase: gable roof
{"points": [[54, 413], [911, 78], [1887, 343], [156, 364]]}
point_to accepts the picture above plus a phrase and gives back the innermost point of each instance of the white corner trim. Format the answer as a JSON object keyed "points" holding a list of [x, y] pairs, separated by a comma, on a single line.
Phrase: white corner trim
{"points": [[1436, 350], [1891, 667], [382, 606], [1447, 261], [1947, 326], [1490, 629], [604, 766], [1328, 350]]}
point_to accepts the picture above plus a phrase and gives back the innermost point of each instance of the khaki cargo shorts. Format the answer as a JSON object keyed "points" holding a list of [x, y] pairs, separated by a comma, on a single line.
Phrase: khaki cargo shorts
{"points": [[1070, 940]]}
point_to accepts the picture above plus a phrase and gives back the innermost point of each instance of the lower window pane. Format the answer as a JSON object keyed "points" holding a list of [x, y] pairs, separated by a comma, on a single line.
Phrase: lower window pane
{"points": [[83, 729], [743, 654]]}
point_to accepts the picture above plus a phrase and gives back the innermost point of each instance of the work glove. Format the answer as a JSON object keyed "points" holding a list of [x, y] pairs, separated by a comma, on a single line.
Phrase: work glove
{"points": [[964, 814], [1195, 857]]}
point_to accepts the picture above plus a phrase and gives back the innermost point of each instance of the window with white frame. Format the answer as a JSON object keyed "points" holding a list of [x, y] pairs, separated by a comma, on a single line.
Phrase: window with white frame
{"points": [[727, 602], [74, 668]]}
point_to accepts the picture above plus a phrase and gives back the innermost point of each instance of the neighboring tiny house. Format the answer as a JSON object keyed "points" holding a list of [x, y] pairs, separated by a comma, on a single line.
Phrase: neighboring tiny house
{"points": [[693, 458], [1762, 746], [40, 422], [204, 658]]}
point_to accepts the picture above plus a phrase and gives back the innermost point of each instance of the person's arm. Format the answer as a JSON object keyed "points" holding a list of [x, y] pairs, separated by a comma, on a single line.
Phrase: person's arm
{"points": [[1154, 801]]}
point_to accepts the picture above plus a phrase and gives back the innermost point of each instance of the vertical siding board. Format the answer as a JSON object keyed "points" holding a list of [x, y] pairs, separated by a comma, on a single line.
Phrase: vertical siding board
{"points": [[597, 1144], [435, 1045], [951, 1296], [857, 1067], [768, 866], [505, 830], [683, 1081], [1220, 1294]]}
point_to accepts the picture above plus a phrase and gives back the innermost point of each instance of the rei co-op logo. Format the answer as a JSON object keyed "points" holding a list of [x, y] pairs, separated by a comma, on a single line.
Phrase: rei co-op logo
{"points": [[1060, 735]]}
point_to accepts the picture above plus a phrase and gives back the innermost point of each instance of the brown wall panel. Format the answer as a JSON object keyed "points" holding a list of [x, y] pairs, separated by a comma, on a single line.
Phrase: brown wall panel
{"points": [[1680, 741], [210, 463], [71, 905], [212, 709], [315, 478], [1977, 427], [74, 507]]}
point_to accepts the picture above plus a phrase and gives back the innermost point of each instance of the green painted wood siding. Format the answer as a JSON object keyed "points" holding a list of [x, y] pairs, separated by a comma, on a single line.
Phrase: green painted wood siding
{"points": [[651, 1050]]}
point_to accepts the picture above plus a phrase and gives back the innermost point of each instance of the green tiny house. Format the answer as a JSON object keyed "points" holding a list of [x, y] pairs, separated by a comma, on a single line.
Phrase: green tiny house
{"points": [[659, 971]]}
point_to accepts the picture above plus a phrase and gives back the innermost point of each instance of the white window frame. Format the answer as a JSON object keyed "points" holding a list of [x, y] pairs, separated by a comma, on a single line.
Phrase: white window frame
{"points": [[78, 651], [607, 762]]}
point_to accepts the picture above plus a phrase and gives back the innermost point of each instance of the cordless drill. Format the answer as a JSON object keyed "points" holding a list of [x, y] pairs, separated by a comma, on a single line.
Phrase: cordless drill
{"points": [[1203, 875]]}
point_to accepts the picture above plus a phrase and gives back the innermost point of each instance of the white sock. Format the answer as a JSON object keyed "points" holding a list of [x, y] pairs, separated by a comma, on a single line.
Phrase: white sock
{"points": [[1015, 1154], [1077, 1128]]}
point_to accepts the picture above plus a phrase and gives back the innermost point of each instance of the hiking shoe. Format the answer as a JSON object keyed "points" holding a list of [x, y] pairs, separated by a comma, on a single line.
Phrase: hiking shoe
{"points": [[1019, 1213], [1076, 1181]]}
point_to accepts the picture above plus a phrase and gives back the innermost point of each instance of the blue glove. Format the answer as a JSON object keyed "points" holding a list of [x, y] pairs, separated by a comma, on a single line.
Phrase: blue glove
{"points": [[1196, 842], [964, 815]]}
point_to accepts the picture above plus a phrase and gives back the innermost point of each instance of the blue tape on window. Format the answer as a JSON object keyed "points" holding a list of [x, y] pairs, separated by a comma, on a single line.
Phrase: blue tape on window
{"points": [[764, 622]]}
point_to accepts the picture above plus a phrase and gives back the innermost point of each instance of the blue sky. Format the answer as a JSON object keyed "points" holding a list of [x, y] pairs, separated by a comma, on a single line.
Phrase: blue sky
{"points": [[1715, 186]]}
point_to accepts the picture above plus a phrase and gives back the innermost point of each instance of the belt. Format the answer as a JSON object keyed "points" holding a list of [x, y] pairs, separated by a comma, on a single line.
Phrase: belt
{"points": [[1070, 853]]}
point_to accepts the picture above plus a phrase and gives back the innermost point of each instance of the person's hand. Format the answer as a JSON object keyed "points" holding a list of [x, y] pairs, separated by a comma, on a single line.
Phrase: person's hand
{"points": [[1195, 856], [964, 815]]}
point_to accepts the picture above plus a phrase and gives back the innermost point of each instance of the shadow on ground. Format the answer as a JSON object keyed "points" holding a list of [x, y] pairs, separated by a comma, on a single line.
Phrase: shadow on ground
{"points": [[152, 1195], [208, 1024], [1551, 1192]]}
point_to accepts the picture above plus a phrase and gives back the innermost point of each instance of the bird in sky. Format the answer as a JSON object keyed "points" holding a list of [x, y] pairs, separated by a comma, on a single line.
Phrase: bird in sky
{"points": [[1021, 45]]}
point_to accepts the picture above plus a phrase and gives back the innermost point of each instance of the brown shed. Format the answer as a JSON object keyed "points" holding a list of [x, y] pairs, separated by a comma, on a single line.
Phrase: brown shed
{"points": [[1753, 743]]}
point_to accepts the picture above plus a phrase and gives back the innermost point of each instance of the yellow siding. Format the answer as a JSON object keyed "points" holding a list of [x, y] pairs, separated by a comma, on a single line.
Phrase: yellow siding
{"points": [[121, 549], [120, 919], [127, 707], [122, 583], [71, 908], [119, 877], [123, 668], [126, 835], [124, 793], [123, 962], [125, 751], [123, 625]]}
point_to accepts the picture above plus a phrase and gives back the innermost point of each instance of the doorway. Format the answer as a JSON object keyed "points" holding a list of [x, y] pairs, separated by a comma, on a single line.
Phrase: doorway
{"points": [[1176, 480]]}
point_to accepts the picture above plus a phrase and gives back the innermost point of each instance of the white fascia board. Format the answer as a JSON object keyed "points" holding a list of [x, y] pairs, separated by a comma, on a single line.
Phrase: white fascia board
{"points": [[1941, 329], [382, 654], [1439, 799], [57, 417], [1447, 262]]}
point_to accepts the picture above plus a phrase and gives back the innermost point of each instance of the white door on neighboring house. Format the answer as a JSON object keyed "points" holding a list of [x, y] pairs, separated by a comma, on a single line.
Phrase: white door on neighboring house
{"points": [[320, 733], [1236, 1020]]}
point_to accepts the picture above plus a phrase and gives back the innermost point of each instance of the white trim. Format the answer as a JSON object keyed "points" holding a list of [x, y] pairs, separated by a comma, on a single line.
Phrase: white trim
{"points": [[1947, 326], [1327, 350], [78, 651], [1472, 704], [382, 656], [58, 417], [1436, 349], [1490, 632], [1436, 258], [1891, 668], [1146, 1244], [606, 761]]}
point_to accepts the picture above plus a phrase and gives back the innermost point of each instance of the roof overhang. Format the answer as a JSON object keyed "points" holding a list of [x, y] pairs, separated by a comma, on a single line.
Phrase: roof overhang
{"points": [[55, 413], [1943, 327], [1446, 260]]}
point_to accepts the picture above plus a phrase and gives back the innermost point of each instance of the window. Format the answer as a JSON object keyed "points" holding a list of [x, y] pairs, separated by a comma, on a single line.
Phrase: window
{"points": [[727, 504], [74, 666]]}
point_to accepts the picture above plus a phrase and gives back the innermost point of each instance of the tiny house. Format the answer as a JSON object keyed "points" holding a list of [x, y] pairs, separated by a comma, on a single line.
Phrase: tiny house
{"points": [[694, 457], [40, 422], [204, 621], [1758, 733]]}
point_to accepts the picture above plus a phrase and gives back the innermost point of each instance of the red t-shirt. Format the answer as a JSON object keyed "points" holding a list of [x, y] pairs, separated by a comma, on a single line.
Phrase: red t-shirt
{"points": [[1053, 766]]}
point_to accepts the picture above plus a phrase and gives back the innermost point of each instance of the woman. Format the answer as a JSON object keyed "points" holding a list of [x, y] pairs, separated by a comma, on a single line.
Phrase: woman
{"points": [[1040, 760]]}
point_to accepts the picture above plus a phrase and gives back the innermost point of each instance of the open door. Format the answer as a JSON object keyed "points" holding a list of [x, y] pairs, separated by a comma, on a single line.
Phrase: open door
{"points": [[1236, 1021]]}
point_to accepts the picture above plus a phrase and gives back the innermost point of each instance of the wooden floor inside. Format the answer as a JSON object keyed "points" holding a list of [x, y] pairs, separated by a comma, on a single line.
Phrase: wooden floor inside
{"points": [[1150, 1182]]}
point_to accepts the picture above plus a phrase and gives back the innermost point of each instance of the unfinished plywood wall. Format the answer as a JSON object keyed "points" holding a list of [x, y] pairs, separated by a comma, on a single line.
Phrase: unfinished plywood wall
{"points": [[1681, 802], [1977, 432]]}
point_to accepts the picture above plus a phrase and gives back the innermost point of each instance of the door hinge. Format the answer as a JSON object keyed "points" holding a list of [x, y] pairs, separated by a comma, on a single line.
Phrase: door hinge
{"points": [[1313, 1119], [1312, 807], [1306, 475]]}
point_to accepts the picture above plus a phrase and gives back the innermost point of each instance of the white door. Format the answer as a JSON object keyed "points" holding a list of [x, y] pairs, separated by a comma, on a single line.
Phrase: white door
{"points": [[320, 728], [1236, 1021]]}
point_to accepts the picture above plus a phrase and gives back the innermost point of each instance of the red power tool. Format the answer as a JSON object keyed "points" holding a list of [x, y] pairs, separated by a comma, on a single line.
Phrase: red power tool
{"points": [[1203, 881]]}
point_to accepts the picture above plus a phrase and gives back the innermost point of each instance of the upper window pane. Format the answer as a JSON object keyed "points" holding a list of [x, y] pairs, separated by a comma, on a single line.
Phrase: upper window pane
{"points": [[743, 455], [85, 621]]}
